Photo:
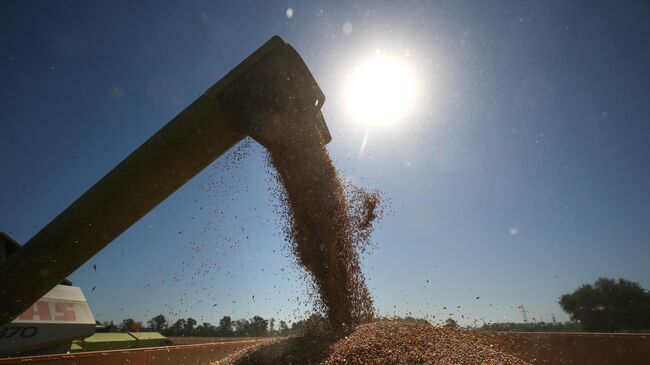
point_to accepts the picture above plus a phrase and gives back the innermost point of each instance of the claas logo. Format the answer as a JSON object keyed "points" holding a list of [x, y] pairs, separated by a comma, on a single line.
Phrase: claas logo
{"points": [[45, 311]]}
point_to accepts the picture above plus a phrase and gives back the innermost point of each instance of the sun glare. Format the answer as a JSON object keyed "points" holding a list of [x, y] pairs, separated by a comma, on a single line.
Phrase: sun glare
{"points": [[381, 91]]}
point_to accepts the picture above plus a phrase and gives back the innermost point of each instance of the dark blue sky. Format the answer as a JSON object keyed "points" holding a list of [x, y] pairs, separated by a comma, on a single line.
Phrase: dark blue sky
{"points": [[521, 173]]}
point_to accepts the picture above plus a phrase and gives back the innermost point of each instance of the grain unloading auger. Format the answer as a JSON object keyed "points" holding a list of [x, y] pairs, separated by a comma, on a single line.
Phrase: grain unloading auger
{"points": [[270, 91]]}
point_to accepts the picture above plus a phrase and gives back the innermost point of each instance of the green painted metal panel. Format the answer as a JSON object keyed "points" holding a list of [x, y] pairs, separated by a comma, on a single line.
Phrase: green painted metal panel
{"points": [[109, 341], [76, 347], [149, 339], [119, 340]]}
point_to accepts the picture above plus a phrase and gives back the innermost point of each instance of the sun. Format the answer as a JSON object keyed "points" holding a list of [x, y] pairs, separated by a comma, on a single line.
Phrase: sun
{"points": [[381, 91]]}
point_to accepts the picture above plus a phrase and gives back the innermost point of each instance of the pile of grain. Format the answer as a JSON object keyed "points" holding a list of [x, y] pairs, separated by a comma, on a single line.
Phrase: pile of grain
{"points": [[378, 343]]}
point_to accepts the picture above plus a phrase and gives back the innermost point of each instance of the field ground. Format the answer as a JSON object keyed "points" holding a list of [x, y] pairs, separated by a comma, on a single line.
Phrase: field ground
{"points": [[538, 348], [578, 348], [196, 354], [546, 348]]}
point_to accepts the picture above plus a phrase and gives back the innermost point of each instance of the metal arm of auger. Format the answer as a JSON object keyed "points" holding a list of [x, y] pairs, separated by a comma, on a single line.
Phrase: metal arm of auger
{"points": [[272, 83]]}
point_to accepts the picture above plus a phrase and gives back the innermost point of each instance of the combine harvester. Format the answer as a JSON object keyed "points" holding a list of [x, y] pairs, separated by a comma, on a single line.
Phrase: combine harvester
{"points": [[51, 323], [40, 312]]}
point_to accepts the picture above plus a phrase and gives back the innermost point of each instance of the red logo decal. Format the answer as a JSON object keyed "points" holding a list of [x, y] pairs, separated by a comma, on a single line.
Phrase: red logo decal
{"points": [[40, 310]]}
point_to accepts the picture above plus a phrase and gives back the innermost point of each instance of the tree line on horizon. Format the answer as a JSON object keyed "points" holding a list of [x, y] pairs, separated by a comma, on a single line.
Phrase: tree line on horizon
{"points": [[253, 327], [568, 326], [606, 306]]}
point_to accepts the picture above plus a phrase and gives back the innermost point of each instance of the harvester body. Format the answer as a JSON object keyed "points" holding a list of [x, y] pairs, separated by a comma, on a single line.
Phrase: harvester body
{"points": [[49, 325]]}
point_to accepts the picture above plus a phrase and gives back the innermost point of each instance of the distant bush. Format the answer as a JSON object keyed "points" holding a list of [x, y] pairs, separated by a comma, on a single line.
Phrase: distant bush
{"points": [[609, 305]]}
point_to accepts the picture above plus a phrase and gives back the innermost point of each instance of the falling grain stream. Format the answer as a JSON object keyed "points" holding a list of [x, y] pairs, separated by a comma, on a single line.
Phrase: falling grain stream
{"points": [[323, 229]]}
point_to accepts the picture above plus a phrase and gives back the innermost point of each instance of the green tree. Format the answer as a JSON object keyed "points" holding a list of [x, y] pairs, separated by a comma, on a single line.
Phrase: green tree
{"points": [[316, 324], [225, 326], [158, 323], [178, 328], [451, 323], [110, 327], [126, 324], [242, 327], [205, 330], [283, 329], [189, 326], [258, 326], [609, 305]]}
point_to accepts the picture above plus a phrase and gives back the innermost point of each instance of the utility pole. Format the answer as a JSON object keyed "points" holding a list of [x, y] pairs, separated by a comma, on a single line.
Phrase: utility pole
{"points": [[524, 314]]}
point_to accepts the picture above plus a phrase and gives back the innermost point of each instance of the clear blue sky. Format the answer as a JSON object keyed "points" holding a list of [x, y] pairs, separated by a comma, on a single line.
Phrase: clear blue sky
{"points": [[521, 173]]}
